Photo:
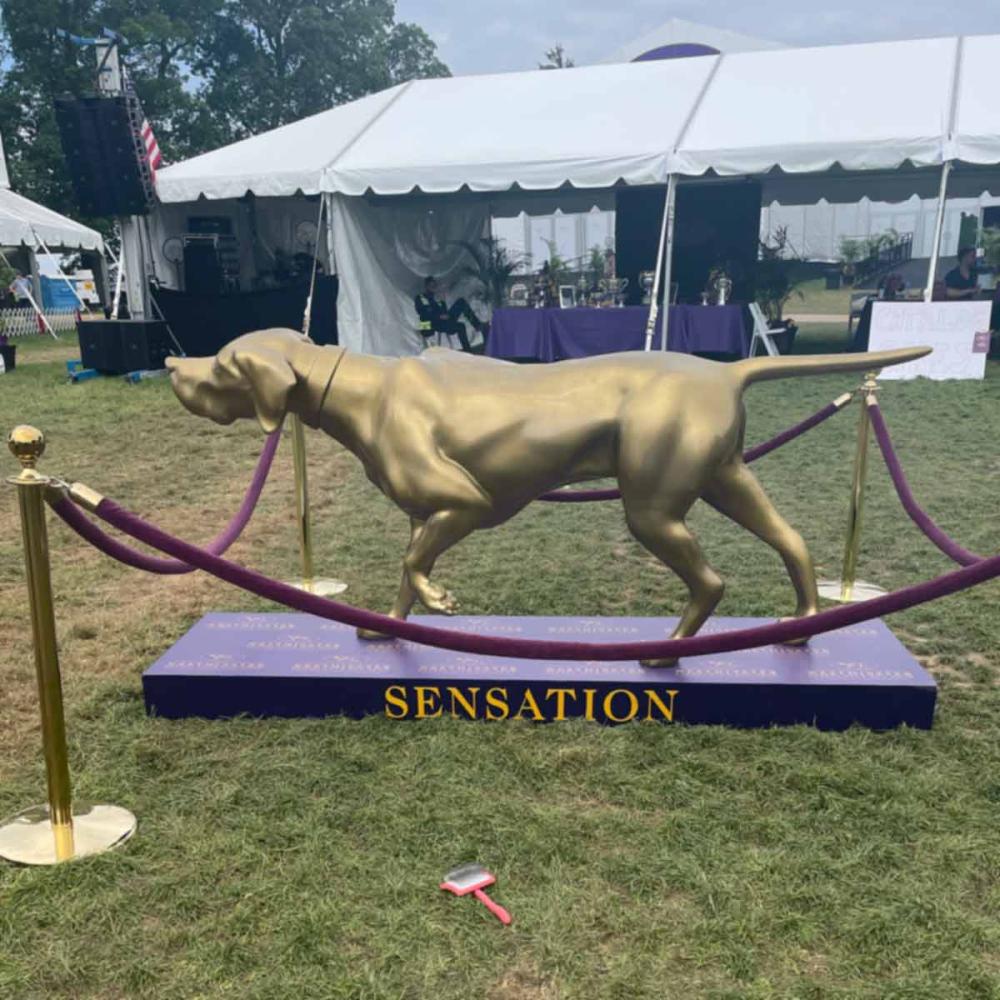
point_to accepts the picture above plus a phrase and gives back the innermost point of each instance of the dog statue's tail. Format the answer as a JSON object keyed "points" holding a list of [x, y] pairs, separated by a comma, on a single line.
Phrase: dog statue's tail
{"points": [[763, 368]]}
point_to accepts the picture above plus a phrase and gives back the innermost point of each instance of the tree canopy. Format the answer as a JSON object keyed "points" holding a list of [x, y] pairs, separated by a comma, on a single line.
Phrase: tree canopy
{"points": [[207, 71]]}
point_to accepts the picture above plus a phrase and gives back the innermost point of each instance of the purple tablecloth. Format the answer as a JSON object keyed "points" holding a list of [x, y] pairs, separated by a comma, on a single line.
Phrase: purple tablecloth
{"points": [[555, 334]]}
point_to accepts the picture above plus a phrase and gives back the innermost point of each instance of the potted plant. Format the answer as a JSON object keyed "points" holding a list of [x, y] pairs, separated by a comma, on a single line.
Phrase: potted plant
{"points": [[991, 247], [492, 266], [774, 287], [8, 352], [851, 251]]}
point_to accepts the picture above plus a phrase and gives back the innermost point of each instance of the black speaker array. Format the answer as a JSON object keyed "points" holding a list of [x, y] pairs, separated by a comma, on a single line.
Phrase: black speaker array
{"points": [[718, 225], [119, 346], [100, 150]]}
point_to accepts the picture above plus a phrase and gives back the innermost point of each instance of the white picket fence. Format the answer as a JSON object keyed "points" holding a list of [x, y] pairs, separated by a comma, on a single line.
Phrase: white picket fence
{"points": [[22, 321]]}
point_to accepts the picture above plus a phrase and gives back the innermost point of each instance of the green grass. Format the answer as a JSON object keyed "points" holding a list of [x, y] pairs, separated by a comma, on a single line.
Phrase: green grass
{"points": [[297, 859], [817, 298]]}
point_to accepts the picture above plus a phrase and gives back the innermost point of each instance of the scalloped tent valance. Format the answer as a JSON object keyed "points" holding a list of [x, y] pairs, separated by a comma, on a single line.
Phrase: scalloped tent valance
{"points": [[799, 110]]}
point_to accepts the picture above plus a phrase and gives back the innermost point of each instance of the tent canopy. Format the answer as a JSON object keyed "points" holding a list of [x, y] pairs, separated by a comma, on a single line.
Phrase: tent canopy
{"points": [[24, 222], [798, 110]]}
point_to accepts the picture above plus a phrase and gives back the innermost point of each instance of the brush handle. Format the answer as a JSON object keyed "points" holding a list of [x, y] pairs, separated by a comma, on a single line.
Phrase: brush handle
{"points": [[495, 908]]}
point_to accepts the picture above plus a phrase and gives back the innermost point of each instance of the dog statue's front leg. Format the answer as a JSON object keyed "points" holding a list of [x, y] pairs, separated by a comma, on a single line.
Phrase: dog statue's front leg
{"points": [[406, 597], [428, 540], [440, 532]]}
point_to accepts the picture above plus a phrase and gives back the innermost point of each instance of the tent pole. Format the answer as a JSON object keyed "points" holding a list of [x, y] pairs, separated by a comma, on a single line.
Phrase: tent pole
{"points": [[668, 262], [42, 318], [654, 298], [307, 315], [938, 231]]}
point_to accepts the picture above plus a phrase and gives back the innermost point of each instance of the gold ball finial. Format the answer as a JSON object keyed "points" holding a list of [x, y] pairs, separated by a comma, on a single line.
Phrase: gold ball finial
{"points": [[27, 445]]}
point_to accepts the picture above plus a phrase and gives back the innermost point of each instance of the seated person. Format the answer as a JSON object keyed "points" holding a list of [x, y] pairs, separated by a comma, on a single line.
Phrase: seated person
{"points": [[436, 317], [962, 282]]}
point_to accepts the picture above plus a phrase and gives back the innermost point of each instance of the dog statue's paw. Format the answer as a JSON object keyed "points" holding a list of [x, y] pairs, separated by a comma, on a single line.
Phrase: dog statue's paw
{"points": [[371, 635], [793, 618], [436, 598], [660, 664]]}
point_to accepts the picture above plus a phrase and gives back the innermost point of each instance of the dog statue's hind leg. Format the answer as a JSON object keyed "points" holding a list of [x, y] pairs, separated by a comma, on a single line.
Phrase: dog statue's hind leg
{"points": [[736, 493], [670, 540]]}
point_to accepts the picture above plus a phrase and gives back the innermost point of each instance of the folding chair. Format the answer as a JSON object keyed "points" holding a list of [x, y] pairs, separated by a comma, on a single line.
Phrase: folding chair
{"points": [[762, 333]]}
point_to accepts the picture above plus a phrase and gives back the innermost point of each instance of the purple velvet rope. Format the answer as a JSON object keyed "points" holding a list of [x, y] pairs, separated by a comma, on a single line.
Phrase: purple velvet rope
{"points": [[766, 447], [919, 517], [750, 455], [543, 649], [86, 528]]}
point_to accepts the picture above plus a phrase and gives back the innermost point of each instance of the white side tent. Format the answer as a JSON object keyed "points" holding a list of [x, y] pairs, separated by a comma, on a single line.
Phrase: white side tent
{"points": [[26, 223], [786, 115]]}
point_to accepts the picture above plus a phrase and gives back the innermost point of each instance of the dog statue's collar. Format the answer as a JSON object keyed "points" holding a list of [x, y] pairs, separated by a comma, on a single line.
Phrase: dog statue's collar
{"points": [[316, 382]]}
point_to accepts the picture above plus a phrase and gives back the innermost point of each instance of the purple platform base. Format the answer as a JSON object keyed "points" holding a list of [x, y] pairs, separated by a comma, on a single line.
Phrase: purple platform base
{"points": [[296, 666]]}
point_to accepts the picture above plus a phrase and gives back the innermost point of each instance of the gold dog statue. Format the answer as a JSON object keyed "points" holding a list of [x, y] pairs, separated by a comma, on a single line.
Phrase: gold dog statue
{"points": [[460, 442]]}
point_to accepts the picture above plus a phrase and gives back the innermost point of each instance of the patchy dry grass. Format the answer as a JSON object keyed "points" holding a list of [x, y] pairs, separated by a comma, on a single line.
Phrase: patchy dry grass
{"points": [[300, 858]]}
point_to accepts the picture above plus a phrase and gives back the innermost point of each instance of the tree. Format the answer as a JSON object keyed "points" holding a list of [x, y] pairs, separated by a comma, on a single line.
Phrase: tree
{"points": [[556, 59], [270, 62], [207, 71]]}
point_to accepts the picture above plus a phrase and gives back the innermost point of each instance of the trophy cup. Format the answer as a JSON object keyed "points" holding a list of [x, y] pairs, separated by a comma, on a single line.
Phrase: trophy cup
{"points": [[646, 281], [723, 289]]}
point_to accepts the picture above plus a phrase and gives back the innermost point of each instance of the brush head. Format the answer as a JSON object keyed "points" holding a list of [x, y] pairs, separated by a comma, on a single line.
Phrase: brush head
{"points": [[467, 878]]}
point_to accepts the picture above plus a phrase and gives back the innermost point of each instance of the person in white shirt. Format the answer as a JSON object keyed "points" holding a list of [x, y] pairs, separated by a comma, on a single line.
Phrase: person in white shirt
{"points": [[20, 288]]}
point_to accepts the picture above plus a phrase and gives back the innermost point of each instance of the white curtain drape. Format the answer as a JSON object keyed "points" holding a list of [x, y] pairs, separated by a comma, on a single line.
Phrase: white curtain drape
{"points": [[383, 253]]}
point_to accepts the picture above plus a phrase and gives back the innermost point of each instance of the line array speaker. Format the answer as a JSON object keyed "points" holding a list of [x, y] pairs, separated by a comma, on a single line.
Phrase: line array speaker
{"points": [[99, 144]]}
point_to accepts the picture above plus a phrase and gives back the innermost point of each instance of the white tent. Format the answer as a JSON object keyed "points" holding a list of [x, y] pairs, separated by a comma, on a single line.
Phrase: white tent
{"points": [[23, 222], [801, 110], [773, 113]]}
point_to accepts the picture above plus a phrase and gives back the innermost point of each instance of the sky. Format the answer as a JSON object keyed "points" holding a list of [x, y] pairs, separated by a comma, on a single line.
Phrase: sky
{"points": [[474, 37]]}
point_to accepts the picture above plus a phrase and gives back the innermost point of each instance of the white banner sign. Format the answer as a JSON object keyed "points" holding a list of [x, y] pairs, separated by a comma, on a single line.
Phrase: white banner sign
{"points": [[958, 332]]}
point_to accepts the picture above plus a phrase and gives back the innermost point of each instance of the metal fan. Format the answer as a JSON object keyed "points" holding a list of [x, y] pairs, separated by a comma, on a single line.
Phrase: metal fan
{"points": [[305, 236], [173, 252]]}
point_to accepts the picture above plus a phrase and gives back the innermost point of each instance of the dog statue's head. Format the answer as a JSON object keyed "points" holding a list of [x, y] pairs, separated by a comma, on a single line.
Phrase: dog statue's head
{"points": [[250, 377]]}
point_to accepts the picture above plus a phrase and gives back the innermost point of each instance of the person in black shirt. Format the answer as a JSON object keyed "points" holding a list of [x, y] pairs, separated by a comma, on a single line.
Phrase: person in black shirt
{"points": [[437, 317], [962, 282]]}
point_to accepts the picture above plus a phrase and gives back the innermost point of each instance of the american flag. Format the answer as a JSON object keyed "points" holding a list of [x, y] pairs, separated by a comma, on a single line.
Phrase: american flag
{"points": [[153, 155]]}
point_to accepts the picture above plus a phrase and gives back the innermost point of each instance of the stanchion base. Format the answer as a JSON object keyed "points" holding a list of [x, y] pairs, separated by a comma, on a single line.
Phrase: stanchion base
{"points": [[27, 838], [321, 588], [833, 590]]}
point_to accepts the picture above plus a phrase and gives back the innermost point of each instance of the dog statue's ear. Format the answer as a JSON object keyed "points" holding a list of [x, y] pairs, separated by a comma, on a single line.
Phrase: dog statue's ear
{"points": [[271, 379]]}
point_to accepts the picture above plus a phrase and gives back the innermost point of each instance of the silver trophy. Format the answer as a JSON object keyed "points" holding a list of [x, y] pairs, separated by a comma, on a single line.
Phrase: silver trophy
{"points": [[646, 279], [723, 289]]}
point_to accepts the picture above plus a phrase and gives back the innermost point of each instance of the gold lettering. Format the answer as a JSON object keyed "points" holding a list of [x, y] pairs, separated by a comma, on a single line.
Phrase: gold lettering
{"points": [[397, 700], [428, 698], [469, 706], [497, 698], [667, 711], [561, 695], [609, 701], [588, 703], [529, 702]]}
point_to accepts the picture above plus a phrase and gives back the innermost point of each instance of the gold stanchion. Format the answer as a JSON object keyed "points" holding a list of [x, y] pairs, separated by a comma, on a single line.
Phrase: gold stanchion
{"points": [[322, 587], [848, 589], [44, 835]]}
